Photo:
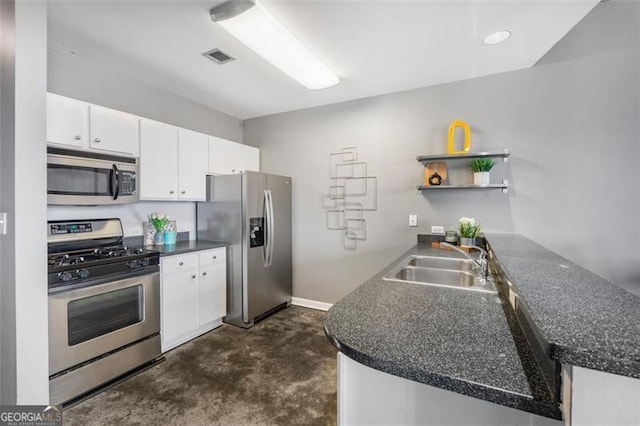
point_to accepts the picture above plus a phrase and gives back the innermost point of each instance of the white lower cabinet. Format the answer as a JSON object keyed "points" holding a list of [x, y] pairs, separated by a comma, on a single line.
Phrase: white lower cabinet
{"points": [[194, 295]]}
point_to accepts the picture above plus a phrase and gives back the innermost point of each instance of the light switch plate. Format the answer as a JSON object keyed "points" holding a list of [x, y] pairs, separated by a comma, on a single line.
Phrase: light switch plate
{"points": [[413, 220], [3, 223]]}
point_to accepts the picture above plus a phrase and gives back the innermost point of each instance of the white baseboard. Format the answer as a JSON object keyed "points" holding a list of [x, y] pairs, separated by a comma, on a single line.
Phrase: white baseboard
{"points": [[313, 304]]}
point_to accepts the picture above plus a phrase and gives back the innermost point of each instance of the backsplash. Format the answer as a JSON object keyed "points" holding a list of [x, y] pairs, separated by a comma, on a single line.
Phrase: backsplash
{"points": [[131, 215]]}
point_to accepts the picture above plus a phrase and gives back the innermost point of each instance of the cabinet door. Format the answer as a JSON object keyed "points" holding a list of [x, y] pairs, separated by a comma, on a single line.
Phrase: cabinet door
{"points": [[248, 158], [158, 161], [192, 165], [213, 292], [179, 305], [223, 156], [114, 131], [67, 121]]}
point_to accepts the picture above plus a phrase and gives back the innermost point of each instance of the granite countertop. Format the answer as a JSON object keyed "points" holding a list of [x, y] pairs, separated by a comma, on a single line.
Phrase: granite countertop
{"points": [[182, 245], [448, 338], [582, 318], [471, 343], [189, 246]]}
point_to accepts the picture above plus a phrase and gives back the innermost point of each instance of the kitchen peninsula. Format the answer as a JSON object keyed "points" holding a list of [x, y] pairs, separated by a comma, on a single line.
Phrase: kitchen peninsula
{"points": [[556, 343]]}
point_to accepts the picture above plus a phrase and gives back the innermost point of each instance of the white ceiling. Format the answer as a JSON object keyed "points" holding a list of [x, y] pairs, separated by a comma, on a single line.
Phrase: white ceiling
{"points": [[374, 46]]}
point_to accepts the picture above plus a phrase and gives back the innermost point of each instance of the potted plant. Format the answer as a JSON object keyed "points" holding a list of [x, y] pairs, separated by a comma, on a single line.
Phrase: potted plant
{"points": [[469, 230], [481, 168], [159, 222]]}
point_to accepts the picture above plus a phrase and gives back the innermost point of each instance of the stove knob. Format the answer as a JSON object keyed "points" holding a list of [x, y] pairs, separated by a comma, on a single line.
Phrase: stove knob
{"points": [[144, 262], [65, 276], [132, 264], [82, 273]]}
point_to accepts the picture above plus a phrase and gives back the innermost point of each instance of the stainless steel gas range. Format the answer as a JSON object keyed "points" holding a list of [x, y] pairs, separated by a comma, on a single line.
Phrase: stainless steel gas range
{"points": [[104, 306]]}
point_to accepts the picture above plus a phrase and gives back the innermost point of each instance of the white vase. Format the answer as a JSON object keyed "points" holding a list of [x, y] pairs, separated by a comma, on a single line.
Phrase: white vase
{"points": [[481, 178]]}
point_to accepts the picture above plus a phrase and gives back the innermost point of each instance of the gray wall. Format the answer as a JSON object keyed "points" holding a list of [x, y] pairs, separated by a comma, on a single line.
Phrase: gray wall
{"points": [[100, 84], [24, 354], [572, 126], [7, 191]]}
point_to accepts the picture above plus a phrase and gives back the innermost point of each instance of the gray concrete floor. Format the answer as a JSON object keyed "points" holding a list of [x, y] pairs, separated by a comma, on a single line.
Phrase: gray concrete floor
{"points": [[281, 372]]}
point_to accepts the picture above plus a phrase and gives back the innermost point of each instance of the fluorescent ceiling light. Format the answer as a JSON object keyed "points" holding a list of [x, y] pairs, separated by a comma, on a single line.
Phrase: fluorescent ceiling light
{"points": [[250, 23], [497, 37]]}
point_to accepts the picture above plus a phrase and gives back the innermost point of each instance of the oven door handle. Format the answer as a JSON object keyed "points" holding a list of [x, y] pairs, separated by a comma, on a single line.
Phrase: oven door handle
{"points": [[116, 175]]}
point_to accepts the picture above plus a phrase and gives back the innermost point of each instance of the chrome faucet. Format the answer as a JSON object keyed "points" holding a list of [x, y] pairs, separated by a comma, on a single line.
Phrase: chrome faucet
{"points": [[481, 263]]}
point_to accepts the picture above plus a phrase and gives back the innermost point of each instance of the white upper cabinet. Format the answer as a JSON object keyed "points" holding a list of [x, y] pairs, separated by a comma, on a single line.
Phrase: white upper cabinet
{"points": [[158, 160], [113, 131], [223, 156], [248, 158], [192, 165], [67, 121], [227, 157]]}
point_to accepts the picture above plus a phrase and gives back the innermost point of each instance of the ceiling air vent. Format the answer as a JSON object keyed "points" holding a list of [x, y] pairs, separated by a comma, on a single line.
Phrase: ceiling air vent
{"points": [[218, 56]]}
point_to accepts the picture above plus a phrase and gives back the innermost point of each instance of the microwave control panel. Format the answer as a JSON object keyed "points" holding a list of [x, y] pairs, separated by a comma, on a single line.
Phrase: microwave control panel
{"points": [[127, 183]]}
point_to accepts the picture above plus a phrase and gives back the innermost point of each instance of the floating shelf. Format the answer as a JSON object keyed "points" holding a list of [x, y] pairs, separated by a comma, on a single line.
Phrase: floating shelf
{"points": [[504, 154], [504, 186]]}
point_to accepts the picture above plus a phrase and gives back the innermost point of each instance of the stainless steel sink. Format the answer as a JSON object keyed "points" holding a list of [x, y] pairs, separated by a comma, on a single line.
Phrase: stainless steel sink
{"points": [[440, 272], [441, 263]]}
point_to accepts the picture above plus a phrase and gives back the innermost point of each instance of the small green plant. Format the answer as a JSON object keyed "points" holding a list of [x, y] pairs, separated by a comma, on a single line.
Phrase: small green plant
{"points": [[468, 227], [159, 221], [481, 164]]}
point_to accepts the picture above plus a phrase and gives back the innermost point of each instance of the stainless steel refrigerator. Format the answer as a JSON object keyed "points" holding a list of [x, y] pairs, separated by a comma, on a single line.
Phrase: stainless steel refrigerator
{"points": [[252, 212]]}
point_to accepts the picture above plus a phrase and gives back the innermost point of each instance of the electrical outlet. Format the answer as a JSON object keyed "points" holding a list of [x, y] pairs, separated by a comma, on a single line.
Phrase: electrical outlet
{"points": [[437, 229], [135, 231], [413, 220]]}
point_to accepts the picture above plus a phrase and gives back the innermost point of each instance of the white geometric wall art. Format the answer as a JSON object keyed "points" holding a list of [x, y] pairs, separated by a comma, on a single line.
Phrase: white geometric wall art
{"points": [[351, 192]]}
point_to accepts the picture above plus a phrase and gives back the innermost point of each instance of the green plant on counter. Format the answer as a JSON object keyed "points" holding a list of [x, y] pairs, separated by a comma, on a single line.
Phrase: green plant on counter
{"points": [[468, 227], [159, 221], [481, 164]]}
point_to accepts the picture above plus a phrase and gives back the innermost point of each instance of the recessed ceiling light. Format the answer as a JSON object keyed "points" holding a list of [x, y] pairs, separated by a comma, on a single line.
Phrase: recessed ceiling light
{"points": [[497, 37], [250, 23]]}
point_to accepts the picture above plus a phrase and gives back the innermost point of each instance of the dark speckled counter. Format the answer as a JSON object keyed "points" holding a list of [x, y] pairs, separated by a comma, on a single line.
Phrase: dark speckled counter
{"points": [[581, 318], [182, 247], [477, 345], [448, 338]]}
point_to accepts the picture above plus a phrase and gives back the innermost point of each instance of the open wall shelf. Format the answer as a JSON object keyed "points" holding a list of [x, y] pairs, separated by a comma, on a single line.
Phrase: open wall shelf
{"points": [[426, 159], [504, 186], [504, 154]]}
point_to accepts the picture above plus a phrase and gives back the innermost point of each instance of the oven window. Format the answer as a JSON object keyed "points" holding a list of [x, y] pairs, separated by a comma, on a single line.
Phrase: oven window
{"points": [[73, 180], [98, 315]]}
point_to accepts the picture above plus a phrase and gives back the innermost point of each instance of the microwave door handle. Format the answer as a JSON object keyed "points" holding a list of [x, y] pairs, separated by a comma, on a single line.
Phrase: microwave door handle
{"points": [[116, 175], [111, 183]]}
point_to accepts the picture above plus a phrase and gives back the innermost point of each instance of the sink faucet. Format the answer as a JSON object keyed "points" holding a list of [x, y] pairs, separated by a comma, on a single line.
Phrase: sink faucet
{"points": [[481, 263]]}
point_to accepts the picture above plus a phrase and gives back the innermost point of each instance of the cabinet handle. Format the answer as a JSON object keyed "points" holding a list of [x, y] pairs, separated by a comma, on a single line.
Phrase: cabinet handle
{"points": [[78, 137], [215, 257], [233, 170], [193, 277], [204, 274], [181, 263], [97, 140], [183, 192], [172, 191]]}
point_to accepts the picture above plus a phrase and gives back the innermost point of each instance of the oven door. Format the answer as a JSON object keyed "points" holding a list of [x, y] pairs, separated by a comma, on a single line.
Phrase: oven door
{"points": [[89, 322], [81, 180]]}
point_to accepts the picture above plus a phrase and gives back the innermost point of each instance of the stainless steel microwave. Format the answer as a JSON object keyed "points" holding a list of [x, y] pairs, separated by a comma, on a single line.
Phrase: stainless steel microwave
{"points": [[87, 178]]}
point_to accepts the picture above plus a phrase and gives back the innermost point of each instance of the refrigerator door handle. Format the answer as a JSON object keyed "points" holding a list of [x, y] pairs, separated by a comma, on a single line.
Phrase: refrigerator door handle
{"points": [[272, 228], [267, 229]]}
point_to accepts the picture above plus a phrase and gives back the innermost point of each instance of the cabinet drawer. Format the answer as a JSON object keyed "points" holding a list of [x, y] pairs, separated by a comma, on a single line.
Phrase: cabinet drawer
{"points": [[179, 263], [211, 257]]}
